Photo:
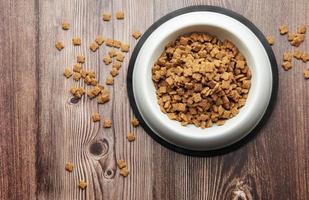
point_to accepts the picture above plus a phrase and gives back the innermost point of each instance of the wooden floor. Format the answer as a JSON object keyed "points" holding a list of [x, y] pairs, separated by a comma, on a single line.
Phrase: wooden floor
{"points": [[40, 129]]}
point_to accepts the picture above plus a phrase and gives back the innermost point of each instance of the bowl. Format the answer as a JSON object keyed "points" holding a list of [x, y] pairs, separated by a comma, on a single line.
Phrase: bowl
{"points": [[224, 24]]}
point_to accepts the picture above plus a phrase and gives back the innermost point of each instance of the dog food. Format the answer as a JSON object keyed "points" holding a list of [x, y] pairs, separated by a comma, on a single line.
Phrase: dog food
{"points": [[69, 166], [107, 123], [76, 41], [131, 137], [96, 117], [136, 34]]}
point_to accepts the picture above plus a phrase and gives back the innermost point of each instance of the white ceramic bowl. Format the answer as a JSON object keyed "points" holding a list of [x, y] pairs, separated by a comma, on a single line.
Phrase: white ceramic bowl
{"points": [[142, 90]]}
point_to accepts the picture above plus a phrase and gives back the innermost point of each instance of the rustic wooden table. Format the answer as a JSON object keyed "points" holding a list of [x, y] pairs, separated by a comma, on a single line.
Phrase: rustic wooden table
{"points": [[40, 130]]}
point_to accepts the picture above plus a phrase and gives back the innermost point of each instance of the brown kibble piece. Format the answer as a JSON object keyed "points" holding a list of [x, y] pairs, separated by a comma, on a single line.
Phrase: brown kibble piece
{"points": [[95, 91], [94, 46], [121, 164], [76, 41], [136, 34], [270, 40], [112, 53], [59, 45], [297, 40], [104, 97], [76, 76], [114, 72], [306, 74], [124, 47], [65, 26], [107, 123], [77, 92], [77, 67], [286, 65], [109, 80], [96, 117], [82, 184], [117, 65], [99, 40], [134, 122], [109, 42], [124, 172], [301, 29], [291, 36], [106, 16], [120, 15], [119, 56], [67, 72], [298, 54], [117, 44], [69, 166], [305, 57], [283, 29], [80, 59], [287, 56], [131, 137], [107, 60]]}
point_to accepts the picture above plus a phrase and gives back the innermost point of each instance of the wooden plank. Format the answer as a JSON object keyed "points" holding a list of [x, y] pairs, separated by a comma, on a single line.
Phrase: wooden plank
{"points": [[18, 99]]}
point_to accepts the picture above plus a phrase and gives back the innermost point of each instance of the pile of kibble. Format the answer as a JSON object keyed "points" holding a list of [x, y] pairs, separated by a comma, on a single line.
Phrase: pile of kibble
{"points": [[116, 55]]}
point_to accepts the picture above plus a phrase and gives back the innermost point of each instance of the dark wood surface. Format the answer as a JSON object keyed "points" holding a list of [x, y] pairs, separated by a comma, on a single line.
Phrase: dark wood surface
{"points": [[40, 129]]}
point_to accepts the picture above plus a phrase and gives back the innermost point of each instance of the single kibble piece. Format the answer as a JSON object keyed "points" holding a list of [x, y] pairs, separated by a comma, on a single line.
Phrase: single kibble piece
{"points": [[297, 40], [76, 76], [80, 59], [104, 97], [77, 67], [107, 60], [305, 57], [94, 46], [283, 29], [124, 47], [124, 172], [59, 45], [120, 15], [114, 72], [270, 40], [112, 53], [131, 137], [91, 74], [109, 80], [99, 40], [117, 65], [117, 44], [287, 56], [286, 65], [69, 166], [291, 36], [107, 123], [67, 72], [298, 54], [106, 16], [301, 29], [135, 122], [306, 74], [77, 92], [94, 82], [76, 41], [82, 184], [119, 56], [121, 164], [95, 91], [84, 73], [136, 34], [96, 117], [65, 26], [109, 42]]}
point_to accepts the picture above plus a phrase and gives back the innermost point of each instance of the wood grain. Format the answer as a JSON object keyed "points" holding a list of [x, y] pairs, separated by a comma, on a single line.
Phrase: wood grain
{"points": [[42, 128]]}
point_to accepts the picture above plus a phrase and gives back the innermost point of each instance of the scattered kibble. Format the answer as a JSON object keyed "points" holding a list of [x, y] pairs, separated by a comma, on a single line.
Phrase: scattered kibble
{"points": [[95, 91], [119, 56], [121, 164], [82, 184], [94, 46], [124, 172], [96, 117], [131, 137], [99, 40], [109, 42], [69, 166], [134, 122], [107, 123], [301, 29], [120, 15], [306, 74], [305, 57], [124, 47], [298, 39], [136, 34], [298, 54], [112, 53], [77, 92], [76, 76], [81, 59], [287, 56], [117, 44], [104, 97], [117, 65], [65, 26], [283, 29], [114, 72], [291, 36], [270, 40], [77, 67], [106, 16], [286, 65], [59, 45], [76, 41], [67, 72], [107, 60], [109, 80]]}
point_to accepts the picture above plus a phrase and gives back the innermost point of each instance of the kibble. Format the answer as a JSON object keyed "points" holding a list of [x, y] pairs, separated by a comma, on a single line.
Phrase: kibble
{"points": [[107, 123]]}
